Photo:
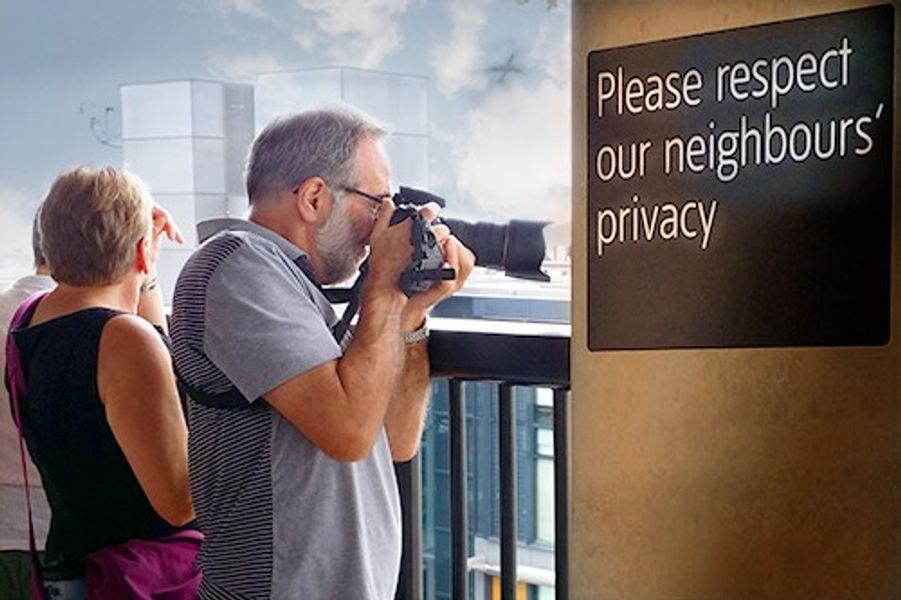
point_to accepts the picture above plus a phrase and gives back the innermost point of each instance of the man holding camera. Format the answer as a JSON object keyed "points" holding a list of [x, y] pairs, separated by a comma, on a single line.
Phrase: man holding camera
{"points": [[292, 434]]}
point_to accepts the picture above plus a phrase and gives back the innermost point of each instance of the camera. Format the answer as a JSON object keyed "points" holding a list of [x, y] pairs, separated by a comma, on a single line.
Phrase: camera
{"points": [[517, 248], [427, 258]]}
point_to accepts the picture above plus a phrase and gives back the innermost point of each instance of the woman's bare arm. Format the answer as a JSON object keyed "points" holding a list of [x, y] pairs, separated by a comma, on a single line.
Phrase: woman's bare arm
{"points": [[137, 386]]}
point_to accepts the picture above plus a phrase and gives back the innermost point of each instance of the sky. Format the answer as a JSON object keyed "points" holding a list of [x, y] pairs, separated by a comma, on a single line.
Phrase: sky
{"points": [[498, 71]]}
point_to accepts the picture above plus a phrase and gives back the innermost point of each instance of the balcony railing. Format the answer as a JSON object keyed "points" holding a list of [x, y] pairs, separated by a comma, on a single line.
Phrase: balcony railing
{"points": [[508, 354]]}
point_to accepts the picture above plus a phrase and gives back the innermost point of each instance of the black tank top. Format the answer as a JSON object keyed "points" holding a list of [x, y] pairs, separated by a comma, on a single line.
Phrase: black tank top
{"points": [[96, 500]]}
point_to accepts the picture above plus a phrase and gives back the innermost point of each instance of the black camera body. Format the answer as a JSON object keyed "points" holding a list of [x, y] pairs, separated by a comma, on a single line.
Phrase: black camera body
{"points": [[425, 263], [516, 248]]}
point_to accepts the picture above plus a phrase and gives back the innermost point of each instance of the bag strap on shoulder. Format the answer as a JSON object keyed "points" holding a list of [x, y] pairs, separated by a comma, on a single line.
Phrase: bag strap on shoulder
{"points": [[15, 377]]}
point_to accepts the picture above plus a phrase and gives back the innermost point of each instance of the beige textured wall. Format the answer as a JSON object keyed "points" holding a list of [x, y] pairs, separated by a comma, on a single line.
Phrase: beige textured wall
{"points": [[725, 474]]}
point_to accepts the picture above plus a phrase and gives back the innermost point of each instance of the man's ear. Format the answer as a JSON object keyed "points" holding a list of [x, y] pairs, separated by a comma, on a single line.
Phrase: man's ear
{"points": [[312, 200]]}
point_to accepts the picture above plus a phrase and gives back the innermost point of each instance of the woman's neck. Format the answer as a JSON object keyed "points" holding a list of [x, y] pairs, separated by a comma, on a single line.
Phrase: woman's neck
{"points": [[66, 299]]}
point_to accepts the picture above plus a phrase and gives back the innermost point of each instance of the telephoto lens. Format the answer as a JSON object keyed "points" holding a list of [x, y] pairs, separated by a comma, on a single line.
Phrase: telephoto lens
{"points": [[517, 247]]}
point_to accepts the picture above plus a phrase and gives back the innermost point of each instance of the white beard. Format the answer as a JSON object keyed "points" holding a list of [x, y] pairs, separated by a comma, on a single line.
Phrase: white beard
{"points": [[337, 245]]}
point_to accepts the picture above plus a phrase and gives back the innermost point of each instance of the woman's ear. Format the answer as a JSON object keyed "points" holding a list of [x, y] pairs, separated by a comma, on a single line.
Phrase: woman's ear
{"points": [[144, 256], [312, 200]]}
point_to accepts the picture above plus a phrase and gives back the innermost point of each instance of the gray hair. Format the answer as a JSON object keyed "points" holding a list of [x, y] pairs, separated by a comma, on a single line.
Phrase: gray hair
{"points": [[39, 260], [293, 148]]}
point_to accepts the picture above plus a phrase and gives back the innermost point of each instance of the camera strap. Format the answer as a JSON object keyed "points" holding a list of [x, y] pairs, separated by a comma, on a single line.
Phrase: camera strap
{"points": [[339, 331]]}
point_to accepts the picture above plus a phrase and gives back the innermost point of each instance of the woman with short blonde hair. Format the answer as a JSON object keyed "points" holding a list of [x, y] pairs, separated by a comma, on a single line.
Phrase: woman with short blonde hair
{"points": [[92, 223], [100, 410]]}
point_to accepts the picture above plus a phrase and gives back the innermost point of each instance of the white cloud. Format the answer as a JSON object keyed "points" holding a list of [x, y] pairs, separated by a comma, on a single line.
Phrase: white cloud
{"points": [[551, 48], [355, 33], [15, 231], [242, 67], [459, 64], [513, 157], [244, 7]]}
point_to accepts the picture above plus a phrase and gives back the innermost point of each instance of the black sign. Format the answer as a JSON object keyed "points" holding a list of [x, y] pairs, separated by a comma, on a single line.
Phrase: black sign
{"points": [[740, 187]]}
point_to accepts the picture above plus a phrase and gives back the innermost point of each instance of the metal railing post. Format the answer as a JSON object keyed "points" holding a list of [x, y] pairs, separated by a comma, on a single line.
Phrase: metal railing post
{"points": [[561, 493], [459, 495], [507, 418], [409, 483]]}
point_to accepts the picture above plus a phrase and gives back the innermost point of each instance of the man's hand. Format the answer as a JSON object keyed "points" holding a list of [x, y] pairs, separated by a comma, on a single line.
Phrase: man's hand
{"points": [[456, 256], [406, 413], [389, 251]]}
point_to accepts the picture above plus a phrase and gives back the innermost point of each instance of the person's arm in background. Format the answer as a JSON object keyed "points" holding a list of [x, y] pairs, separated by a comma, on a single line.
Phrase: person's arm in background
{"points": [[150, 302]]}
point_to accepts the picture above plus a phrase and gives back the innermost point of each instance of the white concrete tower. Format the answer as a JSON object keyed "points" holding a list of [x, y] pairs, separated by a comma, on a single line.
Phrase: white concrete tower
{"points": [[398, 101], [188, 139]]}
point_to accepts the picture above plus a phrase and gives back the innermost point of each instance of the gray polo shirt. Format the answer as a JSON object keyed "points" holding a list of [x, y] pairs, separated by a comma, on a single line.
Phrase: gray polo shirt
{"points": [[281, 518]]}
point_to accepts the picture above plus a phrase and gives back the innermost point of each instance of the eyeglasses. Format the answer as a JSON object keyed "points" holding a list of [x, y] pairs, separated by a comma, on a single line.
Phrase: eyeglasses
{"points": [[377, 199]]}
